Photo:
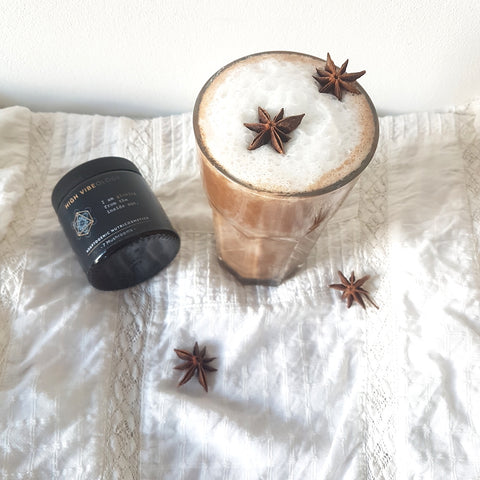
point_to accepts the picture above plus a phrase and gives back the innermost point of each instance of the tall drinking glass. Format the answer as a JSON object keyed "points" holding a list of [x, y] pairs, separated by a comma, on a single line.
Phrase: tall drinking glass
{"points": [[264, 232]]}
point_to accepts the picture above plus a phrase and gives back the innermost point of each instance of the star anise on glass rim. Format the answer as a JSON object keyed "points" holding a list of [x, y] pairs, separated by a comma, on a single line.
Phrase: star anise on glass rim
{"points": [[352, 289], [194, 362], [334, 80], [274, 131]]}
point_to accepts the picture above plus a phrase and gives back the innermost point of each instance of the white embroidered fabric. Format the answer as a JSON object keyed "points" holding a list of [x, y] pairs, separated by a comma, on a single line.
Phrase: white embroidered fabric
{"points": [[305, 388]]}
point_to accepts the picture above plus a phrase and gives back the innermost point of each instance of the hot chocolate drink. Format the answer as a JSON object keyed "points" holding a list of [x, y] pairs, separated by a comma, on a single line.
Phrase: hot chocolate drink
{"points": [[268, 207]]}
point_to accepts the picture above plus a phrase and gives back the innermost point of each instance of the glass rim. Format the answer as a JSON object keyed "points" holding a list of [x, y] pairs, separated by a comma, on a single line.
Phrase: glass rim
{"points": [[311, 193]]}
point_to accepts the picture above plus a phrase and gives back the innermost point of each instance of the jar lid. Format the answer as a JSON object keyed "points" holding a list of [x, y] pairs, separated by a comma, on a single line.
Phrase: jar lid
{"points": [[135, 260], [87, 170]]}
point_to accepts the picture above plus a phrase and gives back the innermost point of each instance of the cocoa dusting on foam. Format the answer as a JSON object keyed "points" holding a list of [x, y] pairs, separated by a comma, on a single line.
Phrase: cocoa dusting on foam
{"points": [[332, 141], [356, 157]]}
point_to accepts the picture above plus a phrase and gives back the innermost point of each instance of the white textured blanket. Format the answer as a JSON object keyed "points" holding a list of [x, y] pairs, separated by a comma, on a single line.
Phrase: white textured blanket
{"points": [[305, 387]]}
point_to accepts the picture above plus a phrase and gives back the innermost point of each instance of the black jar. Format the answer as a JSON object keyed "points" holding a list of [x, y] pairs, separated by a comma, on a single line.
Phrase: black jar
{"points": [[114, 223]]}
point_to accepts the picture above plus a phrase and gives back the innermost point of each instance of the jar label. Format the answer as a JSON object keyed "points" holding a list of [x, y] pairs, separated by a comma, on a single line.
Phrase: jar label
{"points": [[107, 211]]}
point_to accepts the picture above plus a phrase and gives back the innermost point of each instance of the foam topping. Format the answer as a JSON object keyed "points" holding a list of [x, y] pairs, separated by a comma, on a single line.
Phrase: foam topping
{"points": [[332, 140]]}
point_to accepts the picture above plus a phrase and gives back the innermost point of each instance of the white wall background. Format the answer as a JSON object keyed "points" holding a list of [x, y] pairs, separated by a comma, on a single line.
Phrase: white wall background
{"points": [[149, 58]]}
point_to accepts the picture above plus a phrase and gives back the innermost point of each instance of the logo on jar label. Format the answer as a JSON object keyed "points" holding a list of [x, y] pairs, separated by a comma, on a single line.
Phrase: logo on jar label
{"points": [[82, 223]]}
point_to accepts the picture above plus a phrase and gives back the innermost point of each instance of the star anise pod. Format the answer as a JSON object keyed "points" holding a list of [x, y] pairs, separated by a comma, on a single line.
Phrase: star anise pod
{"points": [[274, 131], [352, 289], [195, 362], [334, 80]]}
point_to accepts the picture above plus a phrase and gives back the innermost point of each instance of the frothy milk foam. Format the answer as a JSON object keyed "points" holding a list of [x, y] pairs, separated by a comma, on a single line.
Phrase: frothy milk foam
{"points": [[332, 140]]}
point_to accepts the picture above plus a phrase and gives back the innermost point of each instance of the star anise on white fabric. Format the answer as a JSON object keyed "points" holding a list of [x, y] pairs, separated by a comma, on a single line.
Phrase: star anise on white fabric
{"points": [[195, 362], [352, 289]]}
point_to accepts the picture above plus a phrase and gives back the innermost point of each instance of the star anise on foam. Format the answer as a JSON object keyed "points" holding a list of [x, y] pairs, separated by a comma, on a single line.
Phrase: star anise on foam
{"points": [[334, 80], [274, 131], [195, 362], [352, 289]]}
